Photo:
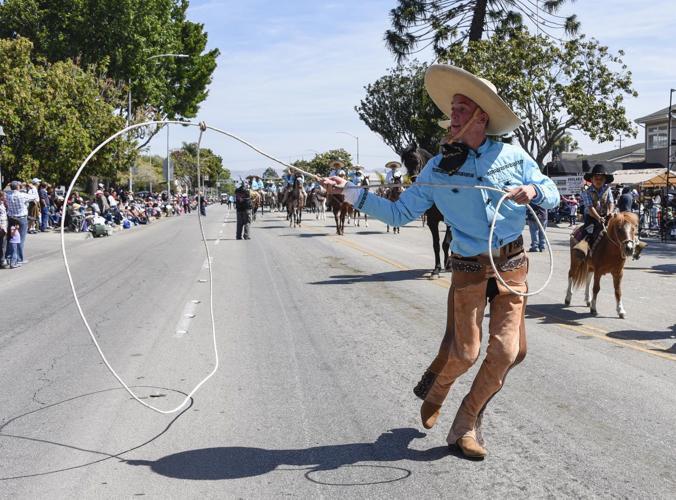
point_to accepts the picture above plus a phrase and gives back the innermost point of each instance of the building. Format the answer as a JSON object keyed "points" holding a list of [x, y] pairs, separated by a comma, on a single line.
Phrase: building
{"points": [[656, 131]]}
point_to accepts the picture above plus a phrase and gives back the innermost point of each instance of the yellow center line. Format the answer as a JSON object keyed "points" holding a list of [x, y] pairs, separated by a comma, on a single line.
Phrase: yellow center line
{"points": [[592, 331]]}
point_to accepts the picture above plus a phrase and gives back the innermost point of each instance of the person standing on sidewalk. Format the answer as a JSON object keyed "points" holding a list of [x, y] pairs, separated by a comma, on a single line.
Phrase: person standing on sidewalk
{"points": [[469, 158], [244, 215], [17, 214], [44, 207], [3, 230], [537, 235]]}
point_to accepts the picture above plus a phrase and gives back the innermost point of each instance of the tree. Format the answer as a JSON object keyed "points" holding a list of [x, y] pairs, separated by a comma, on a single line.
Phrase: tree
{"points": [[122, 35], [211, 165], [442, 24], [398, 108], [270, 173], [554, 89], [320, 163], [54, 115]]}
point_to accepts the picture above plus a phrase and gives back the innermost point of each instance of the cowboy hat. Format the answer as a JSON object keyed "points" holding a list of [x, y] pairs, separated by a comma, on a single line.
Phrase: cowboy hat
{"points": [[357, 167], [336, 164], [443, 81], [599, 169], [392, 164]]}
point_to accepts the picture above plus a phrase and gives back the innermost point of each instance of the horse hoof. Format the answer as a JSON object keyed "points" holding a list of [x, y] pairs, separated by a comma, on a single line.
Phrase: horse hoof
{"points": [[622, 315], [594, 312], [587, 303], [567, 302]]}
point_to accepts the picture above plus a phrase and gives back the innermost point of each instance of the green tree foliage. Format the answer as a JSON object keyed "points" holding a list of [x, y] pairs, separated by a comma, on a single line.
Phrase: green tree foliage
{"points": [[270, 173], [418, 24], [398, 108], [320, 163], [54, 115], [211, 165], [122, 34], [554, 89]]}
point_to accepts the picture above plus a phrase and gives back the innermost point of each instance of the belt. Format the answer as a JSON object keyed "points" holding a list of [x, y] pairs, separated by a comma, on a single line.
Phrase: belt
{"points": [[506, 258]]}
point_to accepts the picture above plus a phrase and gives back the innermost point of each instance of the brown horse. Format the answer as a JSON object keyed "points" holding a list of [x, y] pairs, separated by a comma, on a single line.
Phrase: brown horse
{"points": [[414, 159], [340, 208], [295, 203], [393, 193], [256, 201], [609, 256]]}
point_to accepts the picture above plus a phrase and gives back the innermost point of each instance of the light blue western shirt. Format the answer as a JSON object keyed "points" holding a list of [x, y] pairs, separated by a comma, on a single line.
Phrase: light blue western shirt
{"points": [[468, 212]]}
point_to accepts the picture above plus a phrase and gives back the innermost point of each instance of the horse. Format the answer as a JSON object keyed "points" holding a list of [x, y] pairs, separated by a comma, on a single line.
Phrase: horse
{"points": [[317, 200], [340, 209], [356, 214], [255, 203], [295, 203], [393, 193], [609, 255], [414, 159]]}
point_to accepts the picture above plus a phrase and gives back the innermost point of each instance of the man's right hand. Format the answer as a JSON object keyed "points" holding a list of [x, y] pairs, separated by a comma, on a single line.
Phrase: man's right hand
{"points": [[334, 184]]}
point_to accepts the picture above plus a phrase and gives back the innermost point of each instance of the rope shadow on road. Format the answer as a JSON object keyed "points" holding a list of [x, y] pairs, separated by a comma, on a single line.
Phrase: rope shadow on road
{"points": [[236, 462], [105, 455]]}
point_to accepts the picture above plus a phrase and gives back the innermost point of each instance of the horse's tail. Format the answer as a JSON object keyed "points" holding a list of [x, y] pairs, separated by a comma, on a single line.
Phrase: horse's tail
{"points": [[578, 268]]}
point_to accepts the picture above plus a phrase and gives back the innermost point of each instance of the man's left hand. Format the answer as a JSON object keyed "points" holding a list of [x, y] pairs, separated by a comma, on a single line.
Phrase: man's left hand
{"points": [[523, 194]]}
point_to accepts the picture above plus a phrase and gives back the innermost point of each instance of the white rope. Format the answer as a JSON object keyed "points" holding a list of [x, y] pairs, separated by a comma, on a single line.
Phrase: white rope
{"points": [[211, 281], [203, 127]]}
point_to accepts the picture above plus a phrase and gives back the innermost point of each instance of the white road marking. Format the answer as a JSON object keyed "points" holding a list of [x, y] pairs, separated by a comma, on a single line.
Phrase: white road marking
{"points": [[184, 323]]}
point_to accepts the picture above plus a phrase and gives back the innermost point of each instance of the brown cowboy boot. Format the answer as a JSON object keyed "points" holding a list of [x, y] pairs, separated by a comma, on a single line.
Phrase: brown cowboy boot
{"points": [[429, 413], [470, 447]]}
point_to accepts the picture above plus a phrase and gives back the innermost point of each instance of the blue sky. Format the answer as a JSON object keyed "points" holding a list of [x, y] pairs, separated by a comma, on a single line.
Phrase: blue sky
{"points": [[290, 73]]}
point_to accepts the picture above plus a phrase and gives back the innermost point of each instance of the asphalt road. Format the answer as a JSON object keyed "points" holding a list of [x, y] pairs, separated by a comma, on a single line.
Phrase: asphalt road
{"points": [[321, 339]]}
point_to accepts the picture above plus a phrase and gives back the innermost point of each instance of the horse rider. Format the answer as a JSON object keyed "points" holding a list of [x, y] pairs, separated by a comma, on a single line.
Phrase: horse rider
{"points": [[358, 176], [598, 205], [392, 166], [335, 166], [472, 158]]}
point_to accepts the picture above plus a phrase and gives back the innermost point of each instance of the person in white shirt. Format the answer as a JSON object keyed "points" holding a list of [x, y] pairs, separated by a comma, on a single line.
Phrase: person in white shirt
{"points": [[392, 166], [335, 166]]}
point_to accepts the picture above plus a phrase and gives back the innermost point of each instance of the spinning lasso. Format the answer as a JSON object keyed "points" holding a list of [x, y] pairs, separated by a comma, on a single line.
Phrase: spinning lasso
{"points": [[203, 127]]}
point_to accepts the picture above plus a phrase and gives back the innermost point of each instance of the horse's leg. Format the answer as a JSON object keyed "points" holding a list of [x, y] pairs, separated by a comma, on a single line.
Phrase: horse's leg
{"points": [[388, 228], [595, 292], [300, 215], [587, 295], [446, 246], [434, 229], [569, 292], [366, 220], [617, 283]]}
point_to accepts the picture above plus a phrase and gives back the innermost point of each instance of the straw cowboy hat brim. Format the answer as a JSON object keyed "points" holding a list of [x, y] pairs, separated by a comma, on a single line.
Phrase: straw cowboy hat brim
{"points": [[443, 81], [336, 164], [392, 164]]}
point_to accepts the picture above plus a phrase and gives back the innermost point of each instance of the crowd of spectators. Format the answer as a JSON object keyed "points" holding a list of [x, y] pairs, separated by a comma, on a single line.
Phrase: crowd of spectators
{"points": [[36, 206]]}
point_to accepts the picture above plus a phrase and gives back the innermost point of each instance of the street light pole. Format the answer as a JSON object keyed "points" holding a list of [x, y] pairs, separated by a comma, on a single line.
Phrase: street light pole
{"points": [[2, 137], [665, 200], [180, 56], [354, 137]]}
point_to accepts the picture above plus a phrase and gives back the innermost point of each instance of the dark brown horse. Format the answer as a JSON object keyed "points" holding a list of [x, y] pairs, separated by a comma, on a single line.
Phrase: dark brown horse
{"points": [[415, 158], [295, 203], [340, 208], [608, 256], [393, 193]]}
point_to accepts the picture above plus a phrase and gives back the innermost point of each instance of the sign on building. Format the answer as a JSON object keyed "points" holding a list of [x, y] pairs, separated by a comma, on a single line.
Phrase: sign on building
{"points": [[569, 184]]}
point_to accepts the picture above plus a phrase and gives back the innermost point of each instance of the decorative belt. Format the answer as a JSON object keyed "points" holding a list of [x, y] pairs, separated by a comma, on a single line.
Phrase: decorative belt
{"points": [[506, 258]]}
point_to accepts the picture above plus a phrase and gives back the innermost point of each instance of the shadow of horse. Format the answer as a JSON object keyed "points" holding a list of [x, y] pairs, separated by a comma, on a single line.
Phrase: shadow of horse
{"points": [[350, 279], [235, 462], [640, 335]]}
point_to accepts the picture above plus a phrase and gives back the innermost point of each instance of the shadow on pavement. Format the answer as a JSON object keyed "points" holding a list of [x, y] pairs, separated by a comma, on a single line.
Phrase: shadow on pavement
{"points": [[348, 279], [238, 462], [641, 335], [105, 455]]}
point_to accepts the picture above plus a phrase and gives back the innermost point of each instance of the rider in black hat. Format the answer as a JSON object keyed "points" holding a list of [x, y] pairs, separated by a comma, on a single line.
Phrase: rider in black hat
{"points": [[598, 205]]}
